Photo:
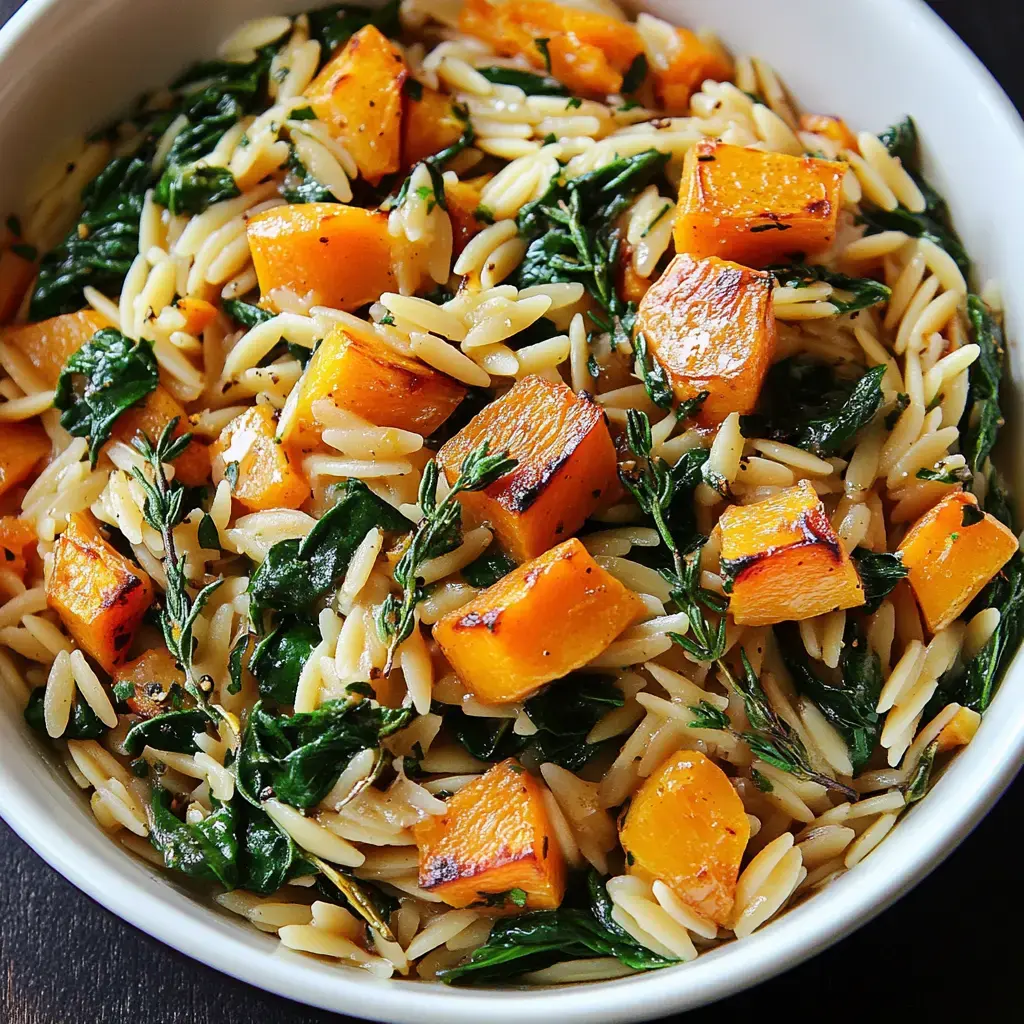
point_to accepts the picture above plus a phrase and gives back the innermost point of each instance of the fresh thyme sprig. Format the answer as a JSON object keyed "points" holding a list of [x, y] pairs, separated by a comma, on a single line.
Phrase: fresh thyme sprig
{"points": [[652, 484], [438, 532], [163, 510]]}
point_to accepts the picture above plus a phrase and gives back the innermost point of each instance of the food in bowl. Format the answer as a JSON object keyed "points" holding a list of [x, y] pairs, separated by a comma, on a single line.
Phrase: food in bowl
{"points": [[496, 492]]}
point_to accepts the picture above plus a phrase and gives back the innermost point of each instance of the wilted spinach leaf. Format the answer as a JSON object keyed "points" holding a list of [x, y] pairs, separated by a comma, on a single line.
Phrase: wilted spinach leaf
{"points": [[82, 725], [279, 657], [530, 941], [174, 730], [191, 188], [336, 24], [246, 313], [207, 850], [806, 405], [851, 707], [488, 568], [982, 416], [104, 378], [865, 291], [297, 759], [565, 712], [267, 857], [295, 573], [879, 571]]}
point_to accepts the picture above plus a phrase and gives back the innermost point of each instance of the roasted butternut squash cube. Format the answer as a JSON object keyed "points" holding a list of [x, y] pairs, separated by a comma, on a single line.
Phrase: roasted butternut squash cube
{"points": [[756, 208], [694, 60], [950, 553], [17, 545], [711, 325], [22, 447], [16, 274], [538, 623], [152, 674], [783, 561], [99, 594], [959, 730], [588, 51], [150, 416], [263, 476], [358, 94], [687, 827], [566, 464], [50, 343], [198, 313], [834, 128], [494, 836], [429, 124], [463, 201], [325, 253], [372, 380]]}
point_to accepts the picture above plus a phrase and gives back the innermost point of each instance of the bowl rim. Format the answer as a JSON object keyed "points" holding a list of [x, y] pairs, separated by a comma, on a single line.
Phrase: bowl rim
{"points": [[925, 837]]}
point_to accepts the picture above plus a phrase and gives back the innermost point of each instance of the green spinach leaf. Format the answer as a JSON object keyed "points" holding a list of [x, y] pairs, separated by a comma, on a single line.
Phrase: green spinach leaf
{"points": [[207, 851], [246, 313], [982, 417], [279, 657], [335, 25], [105, 377], [565, 712], [191, 188], [297, 759], [864, 291], [488, 568], [879, 572], [296, 573], [529, 81], [530, 941], [174, 730], [82, 724]]}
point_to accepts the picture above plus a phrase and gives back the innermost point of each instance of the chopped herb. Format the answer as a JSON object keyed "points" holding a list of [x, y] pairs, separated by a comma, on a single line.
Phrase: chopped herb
{"points": [[542, 47], [208, 535], [658, 216], [761, 781], [308, 114], [707, 716], [960, 475], [574, 103], [917, 785], [653, 375], [235, 656], [104, 378]]}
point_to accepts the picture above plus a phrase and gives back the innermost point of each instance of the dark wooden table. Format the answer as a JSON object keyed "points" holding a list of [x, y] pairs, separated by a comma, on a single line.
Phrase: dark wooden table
{"points": [[946, 949]]}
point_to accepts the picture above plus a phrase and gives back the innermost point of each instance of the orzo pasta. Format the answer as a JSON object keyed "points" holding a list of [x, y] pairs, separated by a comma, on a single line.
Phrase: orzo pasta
{"points": [[496, 490]]}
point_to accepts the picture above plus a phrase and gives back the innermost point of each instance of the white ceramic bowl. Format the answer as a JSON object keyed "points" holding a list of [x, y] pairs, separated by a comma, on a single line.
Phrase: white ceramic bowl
{"points": [[66, 65]]}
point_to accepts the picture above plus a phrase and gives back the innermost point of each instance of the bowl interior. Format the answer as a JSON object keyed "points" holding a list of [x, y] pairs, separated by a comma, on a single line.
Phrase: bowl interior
{"points": [[67, 66]]}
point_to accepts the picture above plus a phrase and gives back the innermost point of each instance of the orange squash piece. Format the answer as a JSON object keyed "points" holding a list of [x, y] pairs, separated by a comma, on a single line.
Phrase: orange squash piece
{"points": [[959, 730], [99, 594], [756, 208], [463, 201], [429, 124], [198, 313], [687, 827], [538, 623], [784, 560], [50, 343], [326, 253], [156, 410], [366, 377], [495, 835], [152, 674], [16, 274], [358, 94], [589, 52], [711, 325], [566, 464], [266, 477], [834, 128], [694, 61], [948, 563], [22, 447], [17, 545]]}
